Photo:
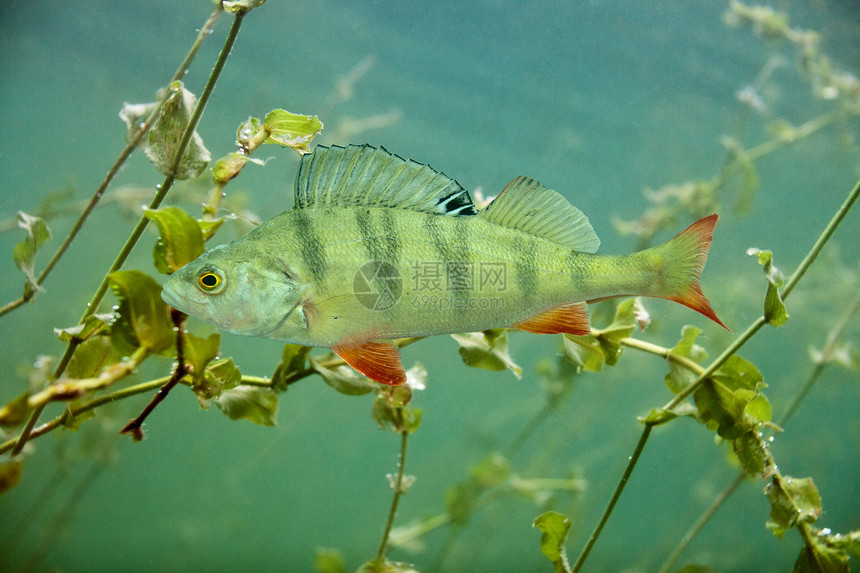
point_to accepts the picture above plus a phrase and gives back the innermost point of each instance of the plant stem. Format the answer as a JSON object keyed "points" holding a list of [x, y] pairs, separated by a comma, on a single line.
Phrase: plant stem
{"points": [[701, 522], [583, 555], [826, 354], [134, 427], [121, 159], [822, 240], [398, 491], [64, 517], [142, 223], [664, 352]]}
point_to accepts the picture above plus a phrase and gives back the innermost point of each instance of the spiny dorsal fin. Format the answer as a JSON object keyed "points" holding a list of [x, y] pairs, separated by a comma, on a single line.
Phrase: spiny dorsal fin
{"points": [[530, 207], [364, 175]]}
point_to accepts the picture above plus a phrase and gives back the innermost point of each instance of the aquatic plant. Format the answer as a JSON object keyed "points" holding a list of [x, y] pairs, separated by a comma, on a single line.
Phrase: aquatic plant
{"points": [[726, 395]]}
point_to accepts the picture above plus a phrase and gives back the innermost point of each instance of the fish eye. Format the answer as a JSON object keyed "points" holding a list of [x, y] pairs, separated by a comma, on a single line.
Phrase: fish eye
{"points": [[209, 281]]}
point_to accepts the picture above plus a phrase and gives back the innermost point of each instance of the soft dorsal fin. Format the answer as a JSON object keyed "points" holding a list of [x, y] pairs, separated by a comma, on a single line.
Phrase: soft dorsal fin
{"points": [[530, 207], [361, 175]]}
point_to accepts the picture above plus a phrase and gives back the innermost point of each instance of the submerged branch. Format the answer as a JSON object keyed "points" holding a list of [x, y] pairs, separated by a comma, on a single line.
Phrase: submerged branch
{"points": [[134, 427], [398, 492], [619, 489]]}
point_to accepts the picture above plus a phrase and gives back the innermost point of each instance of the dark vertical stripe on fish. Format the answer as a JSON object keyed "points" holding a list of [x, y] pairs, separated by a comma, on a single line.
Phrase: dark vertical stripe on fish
{"points": [[369, 236], [390, 236], [379, 236], [437, 239], [573, 268], [525, 269], [313, 251], [468, 267]]}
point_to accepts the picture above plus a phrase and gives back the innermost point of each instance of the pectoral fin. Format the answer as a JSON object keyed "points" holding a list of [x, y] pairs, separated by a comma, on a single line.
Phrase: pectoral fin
{"points": [[379, 361], [569, 319]]}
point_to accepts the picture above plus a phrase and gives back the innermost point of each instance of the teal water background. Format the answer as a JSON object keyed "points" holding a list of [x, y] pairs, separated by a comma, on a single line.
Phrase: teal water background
{"points": [[598, 100]]}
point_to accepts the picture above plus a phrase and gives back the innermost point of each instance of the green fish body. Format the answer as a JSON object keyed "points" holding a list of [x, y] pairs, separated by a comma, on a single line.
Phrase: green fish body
{"points": [[378, 248]]}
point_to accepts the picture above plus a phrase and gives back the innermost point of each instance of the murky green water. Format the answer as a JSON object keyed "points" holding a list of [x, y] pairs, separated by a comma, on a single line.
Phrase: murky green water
{"points": [[598, 100]]}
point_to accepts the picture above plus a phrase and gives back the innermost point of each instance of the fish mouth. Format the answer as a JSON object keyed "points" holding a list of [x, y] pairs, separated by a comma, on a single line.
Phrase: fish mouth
{"points": [[171, 299]]}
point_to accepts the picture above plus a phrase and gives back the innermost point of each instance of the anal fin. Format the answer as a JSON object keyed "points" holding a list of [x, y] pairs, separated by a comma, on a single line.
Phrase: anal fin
{"points": [[379, 361], [568, 319]]}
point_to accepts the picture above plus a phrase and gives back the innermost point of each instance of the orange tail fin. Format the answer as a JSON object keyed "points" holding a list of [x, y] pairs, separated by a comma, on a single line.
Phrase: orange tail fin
{"points": [[685, 257]]}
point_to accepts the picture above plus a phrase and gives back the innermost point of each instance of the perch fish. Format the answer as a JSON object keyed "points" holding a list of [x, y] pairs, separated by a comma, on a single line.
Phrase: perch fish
{"points": [[378, 248]]}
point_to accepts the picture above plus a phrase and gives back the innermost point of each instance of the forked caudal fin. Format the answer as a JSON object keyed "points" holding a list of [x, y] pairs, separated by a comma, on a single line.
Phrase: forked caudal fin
{"points": [[685, 257]]}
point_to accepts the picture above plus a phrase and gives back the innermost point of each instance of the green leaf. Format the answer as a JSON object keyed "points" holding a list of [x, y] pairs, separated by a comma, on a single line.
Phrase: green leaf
{"points": [[10, 475], [92, 357], [134, 114], [792, 500], [94, 324], [294, 359], [342, 378], [291, 130], [851, 542], [198, 352], [180, 238], [491, 471], [659, 416], [750, 451], [208, 382], [24, 253], [459, 503], [236, 6], [228, 167], [555, 528], [820, 558], [584, 351], [679, 377], [391, 408], [329, 561], [143, 318], [730, 401], [208, 228], [603, 346], [774, 309], [73, 421], [219, 377], [254, 403], [15, 412], [166, 134], [487, 350], [627, 316]]}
